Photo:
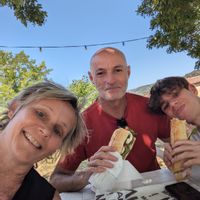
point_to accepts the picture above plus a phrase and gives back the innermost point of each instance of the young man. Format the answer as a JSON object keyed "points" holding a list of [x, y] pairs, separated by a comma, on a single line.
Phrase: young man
{"points": [[176, 97], [114, 107]]}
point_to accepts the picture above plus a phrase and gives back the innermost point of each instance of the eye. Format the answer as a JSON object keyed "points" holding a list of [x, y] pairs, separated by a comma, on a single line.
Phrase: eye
{"points": [[164, 106], [100, 73], [175, 93], [58, 131], [119, 70], [40, 114]]}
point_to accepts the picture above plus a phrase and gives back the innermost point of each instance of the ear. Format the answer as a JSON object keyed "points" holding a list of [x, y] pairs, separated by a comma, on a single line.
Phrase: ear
{"points": [[91, 77], [129, 70], [193, 89], [12, 108]]}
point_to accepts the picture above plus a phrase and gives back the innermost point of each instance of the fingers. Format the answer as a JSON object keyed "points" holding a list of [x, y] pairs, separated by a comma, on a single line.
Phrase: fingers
{"points": [[186, 144], [102, 160], [104, 154], [167, 157], [191, 162], [188, 151]]}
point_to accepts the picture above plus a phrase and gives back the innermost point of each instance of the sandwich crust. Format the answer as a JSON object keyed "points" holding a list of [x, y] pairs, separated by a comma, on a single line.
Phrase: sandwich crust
{"points": [[118, 138], [178, 132], [122, 140]]}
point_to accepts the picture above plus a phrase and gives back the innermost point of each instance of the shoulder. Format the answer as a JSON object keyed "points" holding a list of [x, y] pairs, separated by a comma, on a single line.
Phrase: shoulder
{"points": [[137, 102], [92, 110], [37, 185], [91, 107], [136, 97]]}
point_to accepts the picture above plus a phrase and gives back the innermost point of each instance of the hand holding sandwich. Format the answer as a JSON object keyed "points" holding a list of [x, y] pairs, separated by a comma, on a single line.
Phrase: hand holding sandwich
{"points": [[122, 141], [188, 150], [102, 159], [172, 157]]}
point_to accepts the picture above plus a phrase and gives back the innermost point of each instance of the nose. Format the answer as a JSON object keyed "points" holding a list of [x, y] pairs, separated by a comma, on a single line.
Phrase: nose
{"points": [[173, 104], [44, 132], [110, 79]]}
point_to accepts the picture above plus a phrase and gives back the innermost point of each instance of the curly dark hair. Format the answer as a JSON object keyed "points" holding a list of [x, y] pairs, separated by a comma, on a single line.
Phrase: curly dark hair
{"points": [[165, 86]]}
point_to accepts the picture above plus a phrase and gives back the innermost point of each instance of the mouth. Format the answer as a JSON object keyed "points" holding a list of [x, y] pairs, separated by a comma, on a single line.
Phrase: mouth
{"points": [[112, 88], [179, 110], [32, 140]]}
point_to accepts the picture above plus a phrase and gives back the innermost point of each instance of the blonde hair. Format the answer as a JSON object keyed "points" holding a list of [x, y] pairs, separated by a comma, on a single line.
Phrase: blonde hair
{"points": [[51, 90]]}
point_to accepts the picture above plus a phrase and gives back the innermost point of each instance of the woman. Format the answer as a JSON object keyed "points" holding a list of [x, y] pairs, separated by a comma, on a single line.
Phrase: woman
{"points": [[40, 120]]}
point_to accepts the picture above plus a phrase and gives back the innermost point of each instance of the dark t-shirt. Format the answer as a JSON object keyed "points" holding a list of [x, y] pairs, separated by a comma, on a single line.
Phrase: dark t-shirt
{"points": [[35, 187]]}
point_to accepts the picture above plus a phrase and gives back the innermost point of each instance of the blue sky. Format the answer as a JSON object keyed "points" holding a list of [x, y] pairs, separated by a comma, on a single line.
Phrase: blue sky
{"points": [[76, 22]]}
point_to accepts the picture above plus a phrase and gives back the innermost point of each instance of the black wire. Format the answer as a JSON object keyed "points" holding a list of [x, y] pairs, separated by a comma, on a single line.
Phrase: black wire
{"points": [[121, 123], [73, 46]]}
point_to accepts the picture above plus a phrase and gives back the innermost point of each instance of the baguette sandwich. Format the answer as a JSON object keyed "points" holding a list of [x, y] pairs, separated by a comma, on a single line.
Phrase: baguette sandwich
{"points": [[178, 132], [122, 140]]}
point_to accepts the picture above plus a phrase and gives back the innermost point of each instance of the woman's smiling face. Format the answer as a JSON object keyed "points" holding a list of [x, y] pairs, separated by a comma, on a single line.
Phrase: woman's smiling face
{"points": [[38, 129]]}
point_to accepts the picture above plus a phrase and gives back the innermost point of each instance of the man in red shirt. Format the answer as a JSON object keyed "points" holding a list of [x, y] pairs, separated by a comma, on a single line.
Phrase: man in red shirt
{"points": [[114, 107]]}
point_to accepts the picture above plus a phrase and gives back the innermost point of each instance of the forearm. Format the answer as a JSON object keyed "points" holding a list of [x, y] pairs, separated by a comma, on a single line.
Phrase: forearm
{"points": [[70, 182]]}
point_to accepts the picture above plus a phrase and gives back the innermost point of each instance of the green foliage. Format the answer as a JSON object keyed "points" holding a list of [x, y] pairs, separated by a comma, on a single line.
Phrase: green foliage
{"points": [[193, 74], [84, 90], [176, 24], [18, 72], [26, 11]]}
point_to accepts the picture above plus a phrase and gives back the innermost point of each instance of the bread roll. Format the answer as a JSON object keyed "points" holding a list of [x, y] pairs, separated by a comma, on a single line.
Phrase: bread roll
{"points": [[122, 140], [178, 132]]}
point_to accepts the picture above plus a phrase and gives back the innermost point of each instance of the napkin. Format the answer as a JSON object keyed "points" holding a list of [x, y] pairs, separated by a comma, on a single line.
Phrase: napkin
{"points": [[117, 178]]}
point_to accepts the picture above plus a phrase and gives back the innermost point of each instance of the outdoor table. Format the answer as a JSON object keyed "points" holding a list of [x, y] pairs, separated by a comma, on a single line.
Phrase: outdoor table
{"points": [[161, 176]]}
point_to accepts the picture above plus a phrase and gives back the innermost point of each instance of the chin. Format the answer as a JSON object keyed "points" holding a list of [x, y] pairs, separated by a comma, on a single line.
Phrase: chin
{"points": [[113, 97]]}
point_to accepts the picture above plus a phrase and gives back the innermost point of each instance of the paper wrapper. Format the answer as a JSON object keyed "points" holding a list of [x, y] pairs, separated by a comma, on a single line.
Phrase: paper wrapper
{"points": [[150, 192], [119, 177]]}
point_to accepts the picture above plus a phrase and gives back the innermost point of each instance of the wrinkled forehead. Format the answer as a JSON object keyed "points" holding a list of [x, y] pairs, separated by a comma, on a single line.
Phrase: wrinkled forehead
{"points": [[103, 54]]}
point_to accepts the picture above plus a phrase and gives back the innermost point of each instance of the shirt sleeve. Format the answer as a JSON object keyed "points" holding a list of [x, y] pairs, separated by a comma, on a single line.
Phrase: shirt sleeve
{"points": [[71, 162], [163, 127]]}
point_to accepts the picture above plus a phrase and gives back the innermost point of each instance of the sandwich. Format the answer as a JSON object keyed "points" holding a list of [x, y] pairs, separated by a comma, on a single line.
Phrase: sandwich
{"points": [[123, 140], [178, 132]]}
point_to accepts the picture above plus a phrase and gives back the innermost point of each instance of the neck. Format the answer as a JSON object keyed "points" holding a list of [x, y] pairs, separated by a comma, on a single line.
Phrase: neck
{"points": [[12, 172], [196, 119], [115, 108]]}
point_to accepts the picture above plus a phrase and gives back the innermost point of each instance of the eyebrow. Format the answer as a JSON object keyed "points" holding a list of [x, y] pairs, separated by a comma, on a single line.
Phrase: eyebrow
{"points": [[51, 109], [116, 66]]}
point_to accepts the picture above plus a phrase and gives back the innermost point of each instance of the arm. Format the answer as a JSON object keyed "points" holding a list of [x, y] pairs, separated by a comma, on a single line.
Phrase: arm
{"points": [[56, 196], [65, 180], [164, 129]]}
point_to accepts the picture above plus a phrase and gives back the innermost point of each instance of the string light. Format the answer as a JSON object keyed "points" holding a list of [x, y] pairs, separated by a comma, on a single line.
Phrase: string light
{"points": [[85, 46]]}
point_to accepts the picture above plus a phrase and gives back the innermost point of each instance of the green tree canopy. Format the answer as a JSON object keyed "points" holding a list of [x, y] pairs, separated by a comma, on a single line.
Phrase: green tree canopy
{"points": [[26, 11], [176, 24], [17, 72], [84, 90]]}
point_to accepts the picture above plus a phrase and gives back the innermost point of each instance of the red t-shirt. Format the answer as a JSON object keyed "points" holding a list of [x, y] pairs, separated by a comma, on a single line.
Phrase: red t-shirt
{"points": [[101, 125]]}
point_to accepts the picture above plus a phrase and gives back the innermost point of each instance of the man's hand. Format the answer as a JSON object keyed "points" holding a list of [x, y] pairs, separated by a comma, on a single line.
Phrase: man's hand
{"points": [[102, 159]]}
